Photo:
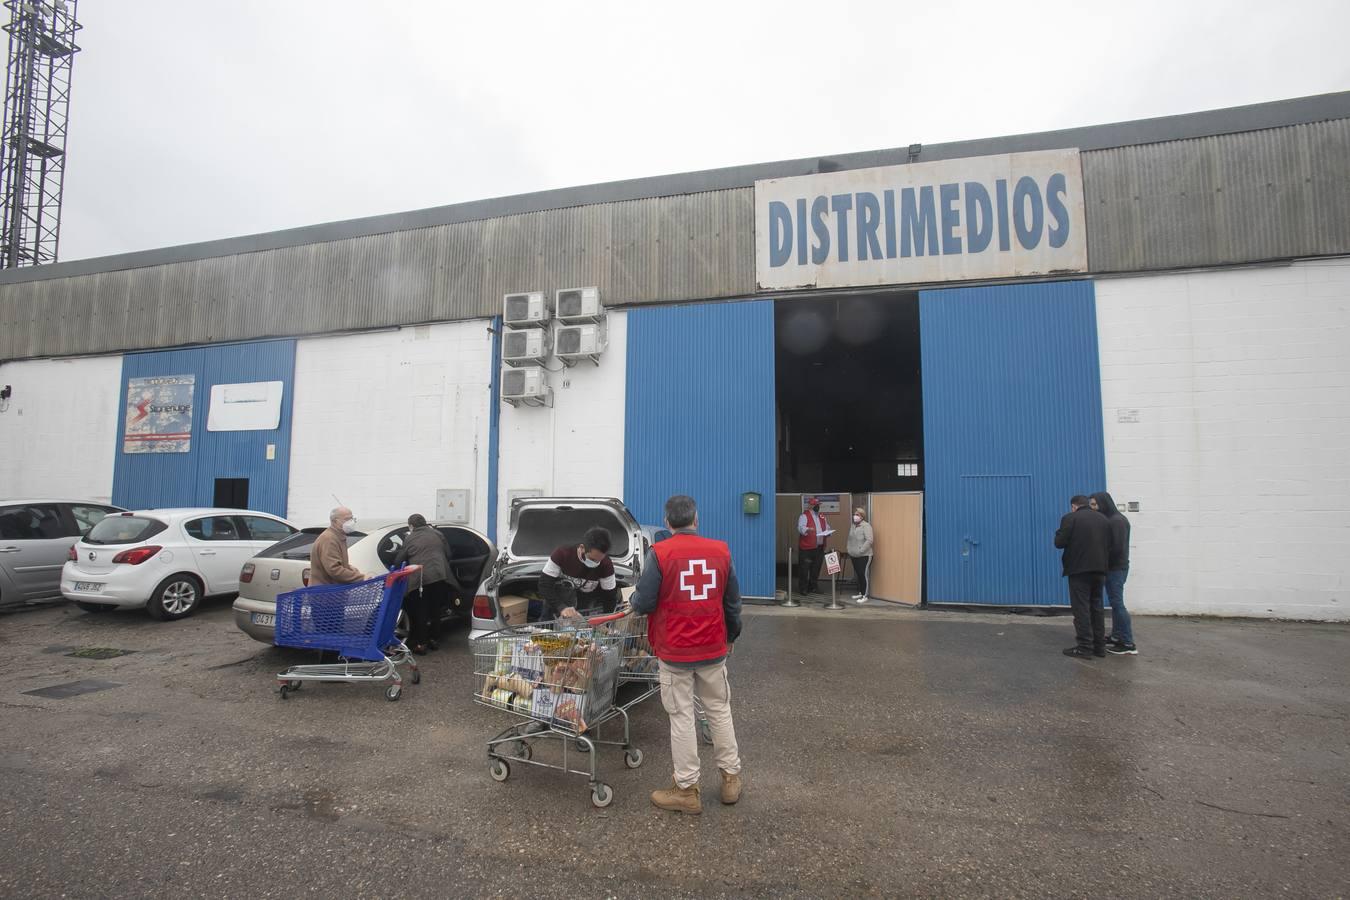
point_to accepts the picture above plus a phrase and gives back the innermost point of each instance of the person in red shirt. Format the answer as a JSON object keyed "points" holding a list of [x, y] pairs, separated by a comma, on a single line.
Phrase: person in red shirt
{"points": [[812, 531], [689, 592], [580, 575]]}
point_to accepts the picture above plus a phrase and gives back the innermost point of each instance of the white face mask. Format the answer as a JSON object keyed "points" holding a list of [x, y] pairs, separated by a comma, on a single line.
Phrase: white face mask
{"points": [[590, 563], [857, 520], [349, 526]]}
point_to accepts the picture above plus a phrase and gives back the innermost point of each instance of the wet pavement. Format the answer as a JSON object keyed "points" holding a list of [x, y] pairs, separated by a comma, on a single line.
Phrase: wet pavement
{"points": [[888, 753]]}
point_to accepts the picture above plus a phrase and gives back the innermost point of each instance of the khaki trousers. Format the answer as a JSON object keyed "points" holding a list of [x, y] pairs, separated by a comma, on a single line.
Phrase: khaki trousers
{"points": [[678, 687]]}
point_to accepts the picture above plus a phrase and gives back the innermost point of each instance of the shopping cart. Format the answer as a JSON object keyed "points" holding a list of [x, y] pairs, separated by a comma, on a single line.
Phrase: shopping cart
{"points": [[640, 667], [356, 621], [559, 680]]}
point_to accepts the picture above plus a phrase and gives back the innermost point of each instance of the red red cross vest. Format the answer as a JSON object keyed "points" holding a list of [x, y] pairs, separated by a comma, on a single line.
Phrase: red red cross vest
{"points": [[688, 625], [815, 523]]}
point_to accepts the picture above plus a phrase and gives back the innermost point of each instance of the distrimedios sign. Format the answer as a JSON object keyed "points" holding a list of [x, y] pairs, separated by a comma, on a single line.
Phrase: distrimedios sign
{"points": [[955, 220]]}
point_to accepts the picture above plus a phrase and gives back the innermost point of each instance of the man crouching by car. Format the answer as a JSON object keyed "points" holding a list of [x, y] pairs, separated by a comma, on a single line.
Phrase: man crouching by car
{"points": [[580, 575], [688, 590]]}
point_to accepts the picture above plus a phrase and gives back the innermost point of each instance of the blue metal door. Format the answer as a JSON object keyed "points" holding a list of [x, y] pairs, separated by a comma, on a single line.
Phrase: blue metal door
{"points": [[996, 548], [700, 421], [1012, 429]]}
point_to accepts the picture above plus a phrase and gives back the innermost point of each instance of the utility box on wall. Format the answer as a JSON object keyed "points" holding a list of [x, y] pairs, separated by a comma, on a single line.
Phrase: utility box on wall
{"points": [[750, 503], [452, 505]]}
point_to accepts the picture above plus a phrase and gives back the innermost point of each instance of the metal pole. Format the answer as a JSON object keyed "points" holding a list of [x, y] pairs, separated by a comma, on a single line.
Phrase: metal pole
{"points": [[789, 602], [834, 594]]}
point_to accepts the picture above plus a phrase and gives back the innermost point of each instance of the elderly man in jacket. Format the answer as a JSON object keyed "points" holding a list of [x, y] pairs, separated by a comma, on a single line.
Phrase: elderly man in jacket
{"points": [[688, 590], [426, 547], [328, 560], [1085, 537]]}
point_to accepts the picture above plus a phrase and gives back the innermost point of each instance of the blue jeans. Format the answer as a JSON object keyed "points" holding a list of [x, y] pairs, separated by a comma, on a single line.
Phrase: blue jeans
{"points": [[1120, 616]]}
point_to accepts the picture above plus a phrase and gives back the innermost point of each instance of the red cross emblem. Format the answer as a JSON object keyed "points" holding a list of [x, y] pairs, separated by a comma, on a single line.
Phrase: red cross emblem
{"points": [[697, 581]]}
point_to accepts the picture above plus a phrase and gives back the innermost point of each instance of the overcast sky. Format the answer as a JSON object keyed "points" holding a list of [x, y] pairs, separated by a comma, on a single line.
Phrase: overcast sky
{"points": [[199, 120]]}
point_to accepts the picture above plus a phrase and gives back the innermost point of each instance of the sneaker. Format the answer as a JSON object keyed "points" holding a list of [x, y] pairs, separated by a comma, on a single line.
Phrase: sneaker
{"points": [[731, 787], [1123, 649], [678, 799], [1077, 652], [861, 599], [1099, 652]]}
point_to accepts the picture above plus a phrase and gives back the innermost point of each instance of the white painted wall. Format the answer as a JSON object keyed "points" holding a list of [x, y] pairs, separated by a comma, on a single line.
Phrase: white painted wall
{"points": [[1241, 455], [58, 434], [385, 419], [574, 449]]}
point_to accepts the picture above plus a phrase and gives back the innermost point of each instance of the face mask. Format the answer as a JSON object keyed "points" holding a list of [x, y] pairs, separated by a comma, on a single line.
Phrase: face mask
{"points": [[589, 563], [857, 520], [349, 526], [815, 507]]}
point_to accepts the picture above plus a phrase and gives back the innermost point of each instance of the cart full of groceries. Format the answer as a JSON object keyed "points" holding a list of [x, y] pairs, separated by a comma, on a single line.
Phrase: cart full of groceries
{"points": [[558, 681]]}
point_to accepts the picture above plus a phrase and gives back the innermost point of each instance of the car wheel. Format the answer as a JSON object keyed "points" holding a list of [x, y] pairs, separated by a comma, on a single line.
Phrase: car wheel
{"points": [[177, 596], [94, 607]]}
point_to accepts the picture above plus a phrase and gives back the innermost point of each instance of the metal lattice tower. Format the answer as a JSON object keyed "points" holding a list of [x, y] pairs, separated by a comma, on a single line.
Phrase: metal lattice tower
{"points": [[33, 143]]}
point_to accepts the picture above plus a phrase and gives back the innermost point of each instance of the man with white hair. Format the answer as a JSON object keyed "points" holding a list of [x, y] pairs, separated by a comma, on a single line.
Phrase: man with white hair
{"points": [[328, 561]]}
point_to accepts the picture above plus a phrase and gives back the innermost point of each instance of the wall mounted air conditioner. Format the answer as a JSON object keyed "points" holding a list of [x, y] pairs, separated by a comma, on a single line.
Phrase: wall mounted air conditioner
{"points": [[529, 346], [577, 342], [526, 386], [527, 310], [579, 305]]}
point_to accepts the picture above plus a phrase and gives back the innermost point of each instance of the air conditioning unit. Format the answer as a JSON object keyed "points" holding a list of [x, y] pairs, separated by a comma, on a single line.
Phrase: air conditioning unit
{"points": [[530, 346], [579, 305], [528, 310], [576, 342], [526, 386]]}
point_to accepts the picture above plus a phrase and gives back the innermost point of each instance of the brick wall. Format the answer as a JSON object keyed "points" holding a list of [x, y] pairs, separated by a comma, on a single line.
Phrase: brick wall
{"points": [[1240, 455]]}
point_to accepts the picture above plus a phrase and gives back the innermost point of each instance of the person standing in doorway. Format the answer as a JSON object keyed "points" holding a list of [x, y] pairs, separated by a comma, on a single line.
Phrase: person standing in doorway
{"points": [[1121, 639], [689, 592], [812, 531], [860, 552], [1085, 537], [426, 547]]}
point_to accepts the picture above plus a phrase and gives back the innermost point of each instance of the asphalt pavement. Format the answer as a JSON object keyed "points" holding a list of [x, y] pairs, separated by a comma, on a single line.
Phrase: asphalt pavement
{"points": [[887, 752]]}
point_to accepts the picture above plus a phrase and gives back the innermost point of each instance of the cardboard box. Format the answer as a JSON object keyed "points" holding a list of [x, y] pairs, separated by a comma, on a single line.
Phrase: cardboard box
{"points": [[515, 610]]}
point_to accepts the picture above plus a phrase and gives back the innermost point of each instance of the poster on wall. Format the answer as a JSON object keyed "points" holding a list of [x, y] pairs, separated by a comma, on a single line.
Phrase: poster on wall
{"points": [[255, 406], [159, 414]]}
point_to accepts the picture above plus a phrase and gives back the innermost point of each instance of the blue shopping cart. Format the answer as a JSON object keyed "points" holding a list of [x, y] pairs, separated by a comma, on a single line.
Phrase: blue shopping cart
{"points": [[355, 621]]}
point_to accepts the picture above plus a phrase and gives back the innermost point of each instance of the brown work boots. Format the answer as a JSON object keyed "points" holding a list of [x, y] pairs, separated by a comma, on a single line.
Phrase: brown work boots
{"points": [[689, 800]]}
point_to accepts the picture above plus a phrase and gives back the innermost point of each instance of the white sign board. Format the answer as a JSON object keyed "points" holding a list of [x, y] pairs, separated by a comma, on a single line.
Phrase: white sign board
{"points": [[255, 406], [1003, 216], [832, 566]]}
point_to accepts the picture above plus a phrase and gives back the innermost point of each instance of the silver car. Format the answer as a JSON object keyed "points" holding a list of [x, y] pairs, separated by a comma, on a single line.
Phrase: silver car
{"points": [[538, 526], [35, 541], [285, 566]]}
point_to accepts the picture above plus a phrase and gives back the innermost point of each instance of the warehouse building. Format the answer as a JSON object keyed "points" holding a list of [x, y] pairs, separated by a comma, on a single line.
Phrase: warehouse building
{"points": [[958, 337]]}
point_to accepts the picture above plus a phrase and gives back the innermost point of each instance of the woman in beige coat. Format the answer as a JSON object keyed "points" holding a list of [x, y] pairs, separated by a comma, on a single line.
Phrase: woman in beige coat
{"points": [[860, 551]]}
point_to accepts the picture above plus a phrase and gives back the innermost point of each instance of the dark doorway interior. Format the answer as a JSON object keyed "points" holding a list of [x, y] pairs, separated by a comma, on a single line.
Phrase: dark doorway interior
{"points": [[232, 493], [850, 403]]}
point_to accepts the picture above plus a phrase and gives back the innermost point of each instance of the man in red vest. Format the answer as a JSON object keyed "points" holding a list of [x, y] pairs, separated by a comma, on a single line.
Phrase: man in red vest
{"points": [[812, 531], [689, 592]]}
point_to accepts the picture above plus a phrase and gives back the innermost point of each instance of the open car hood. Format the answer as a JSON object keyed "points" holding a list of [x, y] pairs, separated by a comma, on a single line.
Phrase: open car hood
{"points": [[540, 525]]}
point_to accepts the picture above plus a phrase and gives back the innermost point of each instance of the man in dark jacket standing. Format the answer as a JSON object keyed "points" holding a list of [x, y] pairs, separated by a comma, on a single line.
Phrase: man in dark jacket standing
{"points": [[427, 600], [1121, 640], [1085, 537]]}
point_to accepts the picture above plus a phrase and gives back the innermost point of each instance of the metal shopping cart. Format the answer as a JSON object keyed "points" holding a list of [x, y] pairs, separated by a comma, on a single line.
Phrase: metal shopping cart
{"points": [[640, 667], [559, 680], [356, 621]]}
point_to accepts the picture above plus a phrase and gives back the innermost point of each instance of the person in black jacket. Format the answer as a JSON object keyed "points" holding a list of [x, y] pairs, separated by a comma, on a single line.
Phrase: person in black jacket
{"points": [[1085, 537], [1121, 639]]}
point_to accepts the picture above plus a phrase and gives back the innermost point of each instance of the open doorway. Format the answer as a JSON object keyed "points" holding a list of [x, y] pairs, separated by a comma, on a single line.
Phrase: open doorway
{"points": [[850, 420]]}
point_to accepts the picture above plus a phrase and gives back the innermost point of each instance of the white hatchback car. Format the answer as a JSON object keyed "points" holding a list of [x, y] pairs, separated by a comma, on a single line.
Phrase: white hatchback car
{"points": [[166, 560]]}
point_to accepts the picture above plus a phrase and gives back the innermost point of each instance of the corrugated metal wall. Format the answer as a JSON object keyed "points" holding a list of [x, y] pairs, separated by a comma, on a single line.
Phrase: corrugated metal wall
{"points": [[1012, 420], [640, 251], [142, 480], [700, 421], [1245, 197], [1234, 198]]}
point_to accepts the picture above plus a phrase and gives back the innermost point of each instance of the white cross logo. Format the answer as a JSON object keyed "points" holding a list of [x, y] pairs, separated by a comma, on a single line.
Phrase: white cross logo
{"points": [[697, 585]]}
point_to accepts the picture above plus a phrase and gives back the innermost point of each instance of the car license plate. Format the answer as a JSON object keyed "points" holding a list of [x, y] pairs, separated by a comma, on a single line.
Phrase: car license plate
{"points": [[264, 619], [89, 586]]}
